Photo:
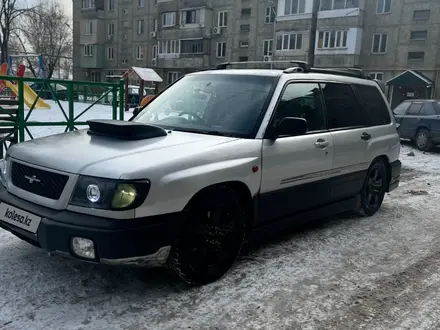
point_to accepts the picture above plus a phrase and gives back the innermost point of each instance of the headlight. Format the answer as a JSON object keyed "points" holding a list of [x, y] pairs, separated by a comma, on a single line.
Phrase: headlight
{"points": [[4, 167], [109, 194]]}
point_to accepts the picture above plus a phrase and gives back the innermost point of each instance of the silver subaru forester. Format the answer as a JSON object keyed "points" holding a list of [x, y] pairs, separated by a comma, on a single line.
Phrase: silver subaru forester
{"points": [[216, 156]]}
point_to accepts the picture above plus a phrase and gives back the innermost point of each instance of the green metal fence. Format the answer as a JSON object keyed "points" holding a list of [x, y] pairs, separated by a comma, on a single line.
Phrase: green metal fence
{"points": [[67, 95]]}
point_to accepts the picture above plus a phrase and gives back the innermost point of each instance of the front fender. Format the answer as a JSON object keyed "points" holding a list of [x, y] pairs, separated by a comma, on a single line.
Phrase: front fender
{"points": [[174, 190]]}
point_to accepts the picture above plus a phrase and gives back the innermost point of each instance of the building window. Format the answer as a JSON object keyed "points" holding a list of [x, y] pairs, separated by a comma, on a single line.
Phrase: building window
{"points": [[383, 6], [267, 47], [110, 53], [290, 41], [140, 26], [173, 76], [379, 44], [88, 28], [292, 7], [338, 4], [169, 47], [244, 44], [221, 49], [111, 5], [332, 39], [270, 15], [245, 12], [191, 16], [191, 46], [245, 27], [155, 24], [416, 56], [421, 14], [139, 53], [243, 59], [169, 19], [419, 35], [376, 75], [154, 51], [222, 19], [87, 4], [111, 29], [141, 3], [88, 50], [95, 76]]}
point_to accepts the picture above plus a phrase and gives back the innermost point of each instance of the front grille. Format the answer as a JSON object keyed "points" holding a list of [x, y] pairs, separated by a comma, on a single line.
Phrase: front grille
{"points": [[39, 182]]}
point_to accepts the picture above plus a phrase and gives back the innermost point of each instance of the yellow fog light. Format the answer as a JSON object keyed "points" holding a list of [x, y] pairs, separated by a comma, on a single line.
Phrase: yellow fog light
{"points": [[124, 196]]}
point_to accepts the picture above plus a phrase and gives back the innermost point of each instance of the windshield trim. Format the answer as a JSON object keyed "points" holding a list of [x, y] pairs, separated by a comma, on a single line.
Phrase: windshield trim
{"points": [[250, 135]]}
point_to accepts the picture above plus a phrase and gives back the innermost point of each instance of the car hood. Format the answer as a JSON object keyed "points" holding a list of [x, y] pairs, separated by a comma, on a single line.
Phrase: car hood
{"points": [[80, 153]]}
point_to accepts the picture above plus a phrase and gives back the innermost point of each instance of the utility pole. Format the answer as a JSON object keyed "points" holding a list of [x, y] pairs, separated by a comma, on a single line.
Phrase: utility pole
{"points": [[312, 37], [274, 37]]}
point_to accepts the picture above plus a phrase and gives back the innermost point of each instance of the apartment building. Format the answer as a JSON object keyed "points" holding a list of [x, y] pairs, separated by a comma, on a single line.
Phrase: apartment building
{"points": [[387, 38]]}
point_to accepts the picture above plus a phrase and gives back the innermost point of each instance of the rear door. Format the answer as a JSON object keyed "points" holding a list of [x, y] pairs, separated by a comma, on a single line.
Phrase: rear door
{"points": [[347, 124], [411, 120]]}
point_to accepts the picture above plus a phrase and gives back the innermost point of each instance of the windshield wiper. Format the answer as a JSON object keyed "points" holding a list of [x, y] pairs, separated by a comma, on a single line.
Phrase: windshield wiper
{"points": [[201, 131]]}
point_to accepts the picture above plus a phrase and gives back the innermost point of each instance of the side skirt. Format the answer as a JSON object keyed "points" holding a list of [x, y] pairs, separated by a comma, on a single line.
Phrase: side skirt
{"points": [[297, 220]]}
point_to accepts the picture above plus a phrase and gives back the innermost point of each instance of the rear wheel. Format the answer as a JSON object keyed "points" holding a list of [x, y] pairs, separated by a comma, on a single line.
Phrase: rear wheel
{"points": [[423, 140], [373, 190], [212, 237]]}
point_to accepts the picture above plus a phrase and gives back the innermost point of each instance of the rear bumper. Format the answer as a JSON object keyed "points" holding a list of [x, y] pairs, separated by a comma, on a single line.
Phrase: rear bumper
{"points": [[140, 241], [396, 167]]}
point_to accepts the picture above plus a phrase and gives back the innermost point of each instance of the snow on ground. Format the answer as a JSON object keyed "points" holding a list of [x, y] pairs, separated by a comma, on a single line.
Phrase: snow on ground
{"points": [[346, 272]]}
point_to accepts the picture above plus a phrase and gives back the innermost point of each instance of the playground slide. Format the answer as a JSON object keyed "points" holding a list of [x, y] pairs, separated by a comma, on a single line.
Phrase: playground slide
{"points": [[29, 96]]}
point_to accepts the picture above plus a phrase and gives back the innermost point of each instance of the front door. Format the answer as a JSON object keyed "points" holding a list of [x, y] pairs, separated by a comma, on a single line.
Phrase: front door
{"points": [[411, 121], [296, 170]]}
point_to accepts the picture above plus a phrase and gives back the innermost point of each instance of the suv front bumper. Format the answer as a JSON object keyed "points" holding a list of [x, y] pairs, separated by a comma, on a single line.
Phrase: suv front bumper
{"points": [[140, 241]]}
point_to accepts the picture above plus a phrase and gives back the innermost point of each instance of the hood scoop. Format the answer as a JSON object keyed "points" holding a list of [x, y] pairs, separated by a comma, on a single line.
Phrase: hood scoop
{"points": [[124, 130]]}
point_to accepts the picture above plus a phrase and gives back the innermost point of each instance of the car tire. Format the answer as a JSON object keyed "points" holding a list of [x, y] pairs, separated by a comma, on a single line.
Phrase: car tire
{"points": [[423, 140], [373, 190], [211, 237]]}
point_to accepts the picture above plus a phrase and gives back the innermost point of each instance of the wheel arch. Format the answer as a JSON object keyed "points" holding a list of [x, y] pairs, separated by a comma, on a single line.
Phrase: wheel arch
{"points": [[243, 193], [384, 159]]}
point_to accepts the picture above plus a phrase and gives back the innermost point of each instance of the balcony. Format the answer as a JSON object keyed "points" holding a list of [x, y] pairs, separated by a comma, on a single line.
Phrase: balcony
{"points": [[185, 61], [195, 4], [95, 60]]}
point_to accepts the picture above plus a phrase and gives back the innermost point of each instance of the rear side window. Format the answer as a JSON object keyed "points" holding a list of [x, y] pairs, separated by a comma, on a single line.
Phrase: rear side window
{"points": [[371, 99], [414, 109], [343, 109], [401, 108], [436, 107]]}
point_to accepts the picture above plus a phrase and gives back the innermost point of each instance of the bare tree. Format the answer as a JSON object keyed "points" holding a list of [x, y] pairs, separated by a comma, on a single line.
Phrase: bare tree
{"points": [[10, 12], [47, 32]]}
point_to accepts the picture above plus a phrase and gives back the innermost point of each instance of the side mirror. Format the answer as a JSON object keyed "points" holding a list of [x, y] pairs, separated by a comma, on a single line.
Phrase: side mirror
{"points": [[292, 126]]}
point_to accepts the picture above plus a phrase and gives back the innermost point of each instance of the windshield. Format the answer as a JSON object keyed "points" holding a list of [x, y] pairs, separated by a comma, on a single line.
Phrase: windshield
{"points": [[211, 104]]}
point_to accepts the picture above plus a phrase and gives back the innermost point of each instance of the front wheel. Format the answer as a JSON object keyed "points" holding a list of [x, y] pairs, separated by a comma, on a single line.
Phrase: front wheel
{"points": [[211, 238], [423, 140], [373, 190]]}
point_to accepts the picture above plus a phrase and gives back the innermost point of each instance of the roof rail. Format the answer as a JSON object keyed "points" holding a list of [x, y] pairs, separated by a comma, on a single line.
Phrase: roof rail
{"points": [[225, 65], [302, 66]]}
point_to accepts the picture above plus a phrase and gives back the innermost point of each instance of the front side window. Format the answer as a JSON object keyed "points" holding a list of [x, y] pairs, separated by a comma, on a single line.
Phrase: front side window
{"points": [[302, 100], [343, 109], [218, 104], [415, 109], [400, 110]]}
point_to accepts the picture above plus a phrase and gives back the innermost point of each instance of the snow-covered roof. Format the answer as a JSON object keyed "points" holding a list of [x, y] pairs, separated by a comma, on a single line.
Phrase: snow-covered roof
{"points": [[146, 74]]}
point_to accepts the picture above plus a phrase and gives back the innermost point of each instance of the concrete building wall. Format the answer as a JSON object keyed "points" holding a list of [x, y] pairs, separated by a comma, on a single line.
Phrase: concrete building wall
{"points": [[411, 27]]}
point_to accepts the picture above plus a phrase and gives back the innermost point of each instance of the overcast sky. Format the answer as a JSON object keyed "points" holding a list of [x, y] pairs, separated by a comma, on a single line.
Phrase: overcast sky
{"points": [[67, 5]]}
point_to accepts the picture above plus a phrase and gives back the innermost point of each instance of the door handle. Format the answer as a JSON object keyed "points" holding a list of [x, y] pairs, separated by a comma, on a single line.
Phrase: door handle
{"points": [[321, 144], [365, 136]]}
